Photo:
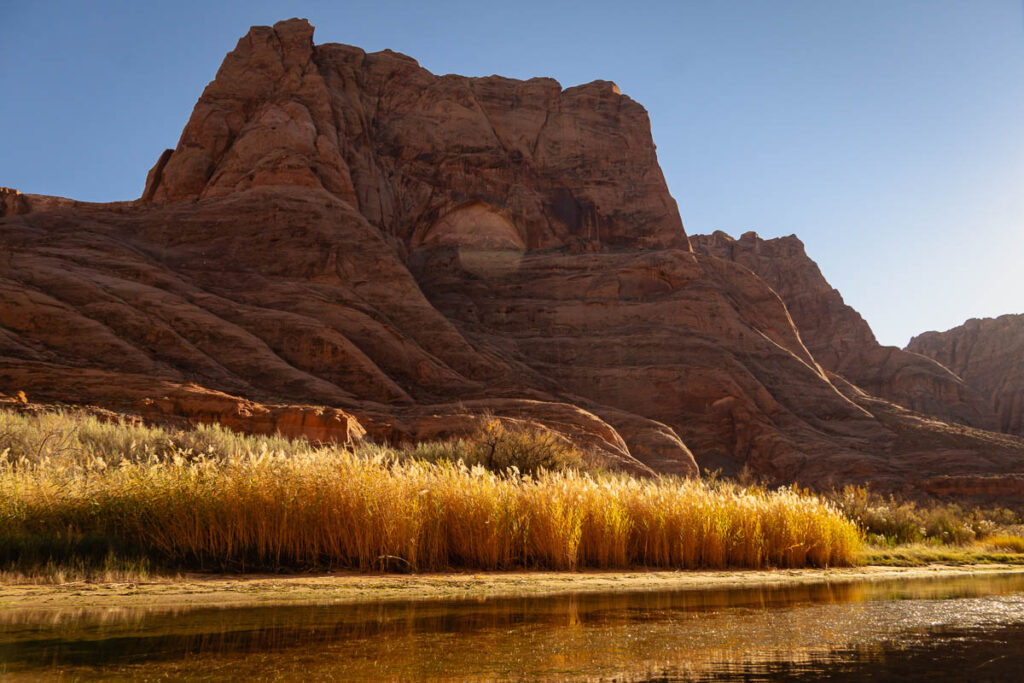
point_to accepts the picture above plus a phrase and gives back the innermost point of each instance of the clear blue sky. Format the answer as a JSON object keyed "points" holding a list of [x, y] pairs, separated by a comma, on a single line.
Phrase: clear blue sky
{"points": [[887, 134]]}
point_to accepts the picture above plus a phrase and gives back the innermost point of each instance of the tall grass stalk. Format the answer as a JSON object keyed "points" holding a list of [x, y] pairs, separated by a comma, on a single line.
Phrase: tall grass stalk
{"points": [[216, 500]]}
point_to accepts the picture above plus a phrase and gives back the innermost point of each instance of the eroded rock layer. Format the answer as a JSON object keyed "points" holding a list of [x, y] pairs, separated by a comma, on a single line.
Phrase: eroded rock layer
{"points": [[345, 245], [989, 354], [841, 340]]}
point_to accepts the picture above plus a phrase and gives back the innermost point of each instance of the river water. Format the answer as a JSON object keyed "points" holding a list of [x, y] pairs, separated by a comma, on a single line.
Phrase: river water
{"points": [[961, 629]]}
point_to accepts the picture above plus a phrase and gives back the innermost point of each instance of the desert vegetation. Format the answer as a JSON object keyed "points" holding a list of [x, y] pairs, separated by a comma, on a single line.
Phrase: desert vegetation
{"points": [[889, 520], [907, 532], [81, 492]]}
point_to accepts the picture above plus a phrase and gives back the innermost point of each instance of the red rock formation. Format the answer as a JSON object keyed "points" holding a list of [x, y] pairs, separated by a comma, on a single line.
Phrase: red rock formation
{"points": [[989, 355], [318, 424], [992, 489], [13, 202], [840, 339], [421, 155], [342, 231]]}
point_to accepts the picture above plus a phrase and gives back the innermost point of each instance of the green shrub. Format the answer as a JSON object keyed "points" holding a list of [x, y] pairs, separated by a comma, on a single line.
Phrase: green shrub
{"points": [[890, 521]]}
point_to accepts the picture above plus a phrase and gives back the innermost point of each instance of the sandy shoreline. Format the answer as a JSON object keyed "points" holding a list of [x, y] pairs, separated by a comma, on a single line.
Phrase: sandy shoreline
{"points": [[210, 590]]}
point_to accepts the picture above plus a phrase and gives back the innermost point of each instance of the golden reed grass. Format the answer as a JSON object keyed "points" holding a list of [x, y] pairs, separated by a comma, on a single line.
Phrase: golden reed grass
{"points": [[244, 504]]}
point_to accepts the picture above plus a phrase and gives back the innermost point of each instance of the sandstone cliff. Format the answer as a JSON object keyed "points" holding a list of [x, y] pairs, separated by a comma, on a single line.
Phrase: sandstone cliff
{"points": [[343, 242], [989, 355], [12, 202], [841, 340], [426, 159]]}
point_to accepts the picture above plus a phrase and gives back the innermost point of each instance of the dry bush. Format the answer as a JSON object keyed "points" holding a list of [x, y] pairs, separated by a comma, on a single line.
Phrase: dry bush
{"points": [[526, 449], [502, 447]]}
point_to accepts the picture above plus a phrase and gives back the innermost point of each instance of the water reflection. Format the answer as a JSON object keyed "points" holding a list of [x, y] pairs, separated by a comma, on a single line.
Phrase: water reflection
{"points": [[752, 634]]}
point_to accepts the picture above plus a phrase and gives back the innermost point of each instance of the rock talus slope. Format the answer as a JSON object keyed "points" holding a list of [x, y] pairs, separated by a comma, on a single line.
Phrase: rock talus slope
{"points": [[344, 242]]}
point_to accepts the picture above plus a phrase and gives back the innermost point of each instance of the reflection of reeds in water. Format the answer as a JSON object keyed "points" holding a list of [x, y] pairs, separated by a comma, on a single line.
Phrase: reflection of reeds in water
{"points": [[620, 636], [373, 619], [243, 503]]}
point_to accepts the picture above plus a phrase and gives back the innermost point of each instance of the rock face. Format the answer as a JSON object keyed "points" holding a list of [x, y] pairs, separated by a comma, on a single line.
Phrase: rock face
{"points": [[287, 297], [425, 158], [989, 355], [13, 202], [343, 241], [840, 339], [198, 405]]}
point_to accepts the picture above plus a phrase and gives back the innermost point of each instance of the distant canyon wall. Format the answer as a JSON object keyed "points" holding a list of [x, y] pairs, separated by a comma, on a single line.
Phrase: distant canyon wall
{"points": [[989, 354]]}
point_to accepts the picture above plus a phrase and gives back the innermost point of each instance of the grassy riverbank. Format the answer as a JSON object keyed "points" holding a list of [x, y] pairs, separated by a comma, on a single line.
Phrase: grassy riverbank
{"points": [[925, 554], [80, 495]]}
